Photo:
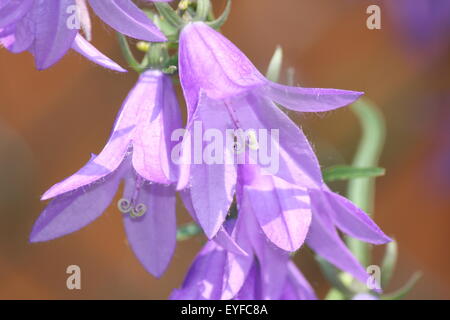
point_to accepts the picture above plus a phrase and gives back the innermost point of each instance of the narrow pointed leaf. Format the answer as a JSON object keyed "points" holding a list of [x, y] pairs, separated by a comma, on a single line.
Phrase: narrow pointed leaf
{"points": [[348, 172]]}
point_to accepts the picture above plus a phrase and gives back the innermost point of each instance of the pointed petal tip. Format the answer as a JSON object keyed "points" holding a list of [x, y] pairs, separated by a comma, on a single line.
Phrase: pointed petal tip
{"points": [[180, 186], [36, 236], [47, 196]]}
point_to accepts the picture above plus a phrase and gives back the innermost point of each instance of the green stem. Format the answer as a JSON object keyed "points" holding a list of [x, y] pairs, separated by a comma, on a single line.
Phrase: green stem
{"points": [[362, 190], [128, 55]]}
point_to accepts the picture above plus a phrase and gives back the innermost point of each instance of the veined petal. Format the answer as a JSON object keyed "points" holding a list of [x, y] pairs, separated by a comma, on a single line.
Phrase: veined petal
{"points": [[222, 238], [272, 260], [160, 116], [71, 212], [210, 62], [212, 183], [53, 36], [353, 221], [12, 11], [153, 235], [135, 110], [238, 266], [24, 35], [283, 210], [309, 99], [205, 276], [83, 47], [4, 32], [291, 157], [325, 241], [125, 17], [251, 289]]}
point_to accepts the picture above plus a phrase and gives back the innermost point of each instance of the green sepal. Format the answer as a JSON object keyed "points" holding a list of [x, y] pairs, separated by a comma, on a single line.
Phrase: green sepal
{"points": [[219, 22]]}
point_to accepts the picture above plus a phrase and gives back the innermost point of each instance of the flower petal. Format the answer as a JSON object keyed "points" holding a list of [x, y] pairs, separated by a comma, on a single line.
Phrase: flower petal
{"points": [[291, 157], [23, 37], [125, 17], [222, 237], [325, 241], [309, 99], [135, 110], [353, 221], [153, 235], [71, 212], [83, 47], [53, 36], [251, 289], [12, 11], [238, 266], [160, 116], [204, 278], [282, 210], [212, 184], [272, 260], [210, 62]]}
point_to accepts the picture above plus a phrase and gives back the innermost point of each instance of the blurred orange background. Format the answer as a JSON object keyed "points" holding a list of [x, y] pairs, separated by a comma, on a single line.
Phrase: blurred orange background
{"points": [[51, 121]]}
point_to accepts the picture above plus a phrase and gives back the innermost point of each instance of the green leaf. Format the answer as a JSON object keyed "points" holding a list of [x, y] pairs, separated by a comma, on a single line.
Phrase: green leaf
{"points": [[188, 231], [388, 264], [216, 24], [403, 292], [348, 172], [274, 69], [126, 52]]}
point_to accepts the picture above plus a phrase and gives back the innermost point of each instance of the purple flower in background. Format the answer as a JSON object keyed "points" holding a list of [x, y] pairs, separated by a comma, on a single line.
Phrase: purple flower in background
{"points": [[138, 153], [265, 273], [48, 29], [225, 91], [424, 25]]}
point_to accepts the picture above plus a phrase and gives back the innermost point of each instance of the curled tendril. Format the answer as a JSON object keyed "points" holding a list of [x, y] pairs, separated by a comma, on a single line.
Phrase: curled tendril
{"points": [[124, 205], [138, 211]]}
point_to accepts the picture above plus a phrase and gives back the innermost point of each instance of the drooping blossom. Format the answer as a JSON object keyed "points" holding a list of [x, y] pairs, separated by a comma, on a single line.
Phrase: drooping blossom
{"points": [[48, 29], [224, 90], [137, 153], [265, 273]]}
